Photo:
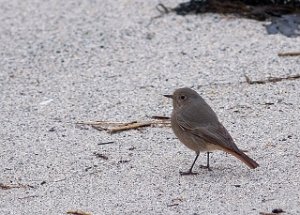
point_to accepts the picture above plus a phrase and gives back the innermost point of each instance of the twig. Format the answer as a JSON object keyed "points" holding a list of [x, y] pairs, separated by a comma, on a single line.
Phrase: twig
{"points": [[99, 122], [113, 127], [78, 212], [111, 142], [172, 205], [27, 197], [12, 186], [162, 8], [266, 213], [99, 128], [129, 127], [272, 79], [288, 54], [160, 117]]}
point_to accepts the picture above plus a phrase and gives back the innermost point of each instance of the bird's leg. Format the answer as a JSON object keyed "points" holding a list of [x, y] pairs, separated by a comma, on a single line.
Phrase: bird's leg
{"points": [[190, 172], [207, 163]]}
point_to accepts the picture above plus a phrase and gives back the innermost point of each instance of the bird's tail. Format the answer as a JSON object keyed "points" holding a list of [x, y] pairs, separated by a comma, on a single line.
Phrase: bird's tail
{"points": [[244, 158]]}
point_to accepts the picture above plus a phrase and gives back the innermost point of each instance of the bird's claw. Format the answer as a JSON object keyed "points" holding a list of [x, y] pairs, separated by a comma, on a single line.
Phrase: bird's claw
{"points": [[206, 167], [187, 173]]}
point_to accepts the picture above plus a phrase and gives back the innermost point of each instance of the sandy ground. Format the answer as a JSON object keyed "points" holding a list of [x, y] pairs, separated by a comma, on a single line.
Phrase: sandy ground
{"points": [[68, 61]]}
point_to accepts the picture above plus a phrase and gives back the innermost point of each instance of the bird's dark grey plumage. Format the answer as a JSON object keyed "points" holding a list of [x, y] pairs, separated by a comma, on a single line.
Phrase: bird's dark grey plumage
{"points": [[197, 126]]}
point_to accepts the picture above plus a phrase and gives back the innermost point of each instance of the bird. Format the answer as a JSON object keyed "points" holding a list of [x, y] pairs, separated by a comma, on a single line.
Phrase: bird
{"points": [[197, 126]]}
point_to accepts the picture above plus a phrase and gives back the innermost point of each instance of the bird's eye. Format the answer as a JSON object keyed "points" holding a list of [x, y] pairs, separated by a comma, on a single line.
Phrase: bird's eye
{"points": [[182, 97]]}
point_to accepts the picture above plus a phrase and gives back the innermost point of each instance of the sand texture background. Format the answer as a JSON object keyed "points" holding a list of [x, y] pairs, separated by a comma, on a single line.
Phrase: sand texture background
{"points": [[68, 61]]}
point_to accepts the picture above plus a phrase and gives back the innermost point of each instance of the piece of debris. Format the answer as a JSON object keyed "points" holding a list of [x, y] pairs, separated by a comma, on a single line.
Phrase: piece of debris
{"points": [[172, 205], [269, 103], [278, 211], [28, 197], [259, 10], [88, 168], [52, 129], [272, 79], [134, 125], [163, 9], [131, 148], [274, 212], [283, 14], [288, 54], [106, 143], [12, 186], [161, 117], [288, 25], [175, 202], [267, 200], [123, 161], [114, 127], [265, 213], [78, 212], [6, 187], [249, 81], [99, 155]]}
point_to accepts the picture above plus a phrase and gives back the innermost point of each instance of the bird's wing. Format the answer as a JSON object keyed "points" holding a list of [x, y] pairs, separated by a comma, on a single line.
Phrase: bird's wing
{"points": [[212, 133]]}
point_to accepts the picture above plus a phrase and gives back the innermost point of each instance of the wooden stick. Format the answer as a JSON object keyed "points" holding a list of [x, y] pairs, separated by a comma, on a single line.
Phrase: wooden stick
{"points": [[78, 212], [11, 186], [265, 213], [288, 54], [160, 117], [99, 122], [272, 79], [128, 127], [124, 126]]}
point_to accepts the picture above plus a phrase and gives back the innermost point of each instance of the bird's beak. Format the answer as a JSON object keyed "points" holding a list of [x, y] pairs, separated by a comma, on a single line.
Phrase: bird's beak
{"points": [[169, 96]]}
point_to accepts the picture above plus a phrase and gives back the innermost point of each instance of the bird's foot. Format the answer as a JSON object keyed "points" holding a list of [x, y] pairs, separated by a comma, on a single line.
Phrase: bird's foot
{"points": [[188, 173], [206, 167]]}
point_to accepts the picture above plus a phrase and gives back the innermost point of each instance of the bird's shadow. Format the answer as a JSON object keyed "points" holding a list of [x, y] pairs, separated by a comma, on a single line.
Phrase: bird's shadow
{"points": [[220, 174]]}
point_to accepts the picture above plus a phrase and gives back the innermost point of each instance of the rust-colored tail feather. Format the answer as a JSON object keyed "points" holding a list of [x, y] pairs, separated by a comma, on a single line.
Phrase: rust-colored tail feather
{"points": [[244, 158]]}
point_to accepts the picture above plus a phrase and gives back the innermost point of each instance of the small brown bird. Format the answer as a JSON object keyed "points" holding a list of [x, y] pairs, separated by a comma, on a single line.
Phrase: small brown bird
{"points": [[197, 127]]}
